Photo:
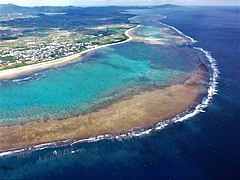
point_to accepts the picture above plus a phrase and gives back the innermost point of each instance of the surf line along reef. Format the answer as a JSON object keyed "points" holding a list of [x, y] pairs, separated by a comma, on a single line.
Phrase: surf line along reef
{"points": [[113, 90]]}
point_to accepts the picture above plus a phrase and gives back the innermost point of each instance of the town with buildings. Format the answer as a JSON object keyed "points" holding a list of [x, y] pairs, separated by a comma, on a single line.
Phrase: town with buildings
{"points": [[56, 44]]}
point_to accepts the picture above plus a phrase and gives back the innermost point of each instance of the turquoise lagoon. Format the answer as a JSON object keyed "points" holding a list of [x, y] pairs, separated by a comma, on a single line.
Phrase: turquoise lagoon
{"points": [[157, 32], [100, 78]]}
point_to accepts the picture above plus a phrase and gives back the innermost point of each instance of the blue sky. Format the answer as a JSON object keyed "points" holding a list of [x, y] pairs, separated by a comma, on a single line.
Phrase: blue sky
{"points": [[118, 2]]}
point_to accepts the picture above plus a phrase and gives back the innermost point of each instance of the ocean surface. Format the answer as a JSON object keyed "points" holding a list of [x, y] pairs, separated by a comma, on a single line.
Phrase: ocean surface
{"points": [[101, 77], [206, 145]]}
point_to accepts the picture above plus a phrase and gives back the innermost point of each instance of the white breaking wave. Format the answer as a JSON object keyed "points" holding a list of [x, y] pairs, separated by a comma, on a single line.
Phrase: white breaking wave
{"points": [[23, 79], [178, 31], [7, 153], [34, 76], [212, 90]]}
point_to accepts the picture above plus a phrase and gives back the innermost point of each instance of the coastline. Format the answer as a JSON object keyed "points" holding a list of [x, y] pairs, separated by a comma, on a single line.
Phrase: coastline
{"points": [[15, 72], [148, 109], [197, 87]]}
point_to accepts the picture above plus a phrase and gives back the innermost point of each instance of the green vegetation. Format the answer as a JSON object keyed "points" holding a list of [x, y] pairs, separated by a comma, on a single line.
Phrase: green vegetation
{"points": [[54, 43]]}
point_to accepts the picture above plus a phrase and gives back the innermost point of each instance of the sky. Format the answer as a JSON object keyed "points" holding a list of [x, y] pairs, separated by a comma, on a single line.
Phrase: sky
{"points": [[118, 2]]}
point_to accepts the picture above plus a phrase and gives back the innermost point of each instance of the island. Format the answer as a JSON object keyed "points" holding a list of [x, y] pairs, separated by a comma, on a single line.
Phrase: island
{"points": [[121, 74]]}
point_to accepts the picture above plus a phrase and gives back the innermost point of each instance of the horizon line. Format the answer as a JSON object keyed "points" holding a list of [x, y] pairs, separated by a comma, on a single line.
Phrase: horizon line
{"points": [[130, 5]]}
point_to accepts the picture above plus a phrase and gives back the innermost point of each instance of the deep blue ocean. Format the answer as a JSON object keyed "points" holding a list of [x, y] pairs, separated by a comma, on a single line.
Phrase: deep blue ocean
{"points": [[206, 146]]}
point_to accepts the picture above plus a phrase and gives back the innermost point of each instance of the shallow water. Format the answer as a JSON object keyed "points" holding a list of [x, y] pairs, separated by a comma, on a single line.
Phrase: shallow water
{"points": [[204, 146], [101, 76]]}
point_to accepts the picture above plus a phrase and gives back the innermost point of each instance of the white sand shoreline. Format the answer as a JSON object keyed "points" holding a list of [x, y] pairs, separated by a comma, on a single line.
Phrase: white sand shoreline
{"points": [[15, 72]]}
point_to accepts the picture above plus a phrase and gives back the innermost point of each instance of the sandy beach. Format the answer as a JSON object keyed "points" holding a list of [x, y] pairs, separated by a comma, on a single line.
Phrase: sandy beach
{"points": [[139, 111], [143, 110], [15, 72]]}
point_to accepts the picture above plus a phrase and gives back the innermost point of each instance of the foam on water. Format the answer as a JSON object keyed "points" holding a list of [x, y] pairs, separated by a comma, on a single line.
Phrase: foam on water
{"points": [[21, 79], [178, 31], [200, 108]]}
